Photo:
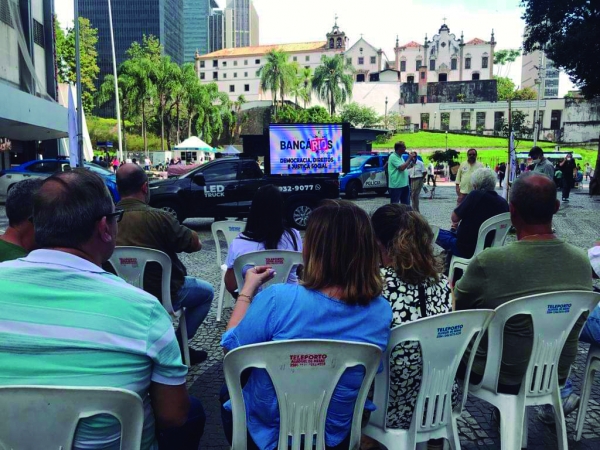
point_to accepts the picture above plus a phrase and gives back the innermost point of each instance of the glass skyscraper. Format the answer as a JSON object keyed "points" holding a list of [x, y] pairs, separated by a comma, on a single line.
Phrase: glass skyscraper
{"points": [[196, 36], [132, 19]]}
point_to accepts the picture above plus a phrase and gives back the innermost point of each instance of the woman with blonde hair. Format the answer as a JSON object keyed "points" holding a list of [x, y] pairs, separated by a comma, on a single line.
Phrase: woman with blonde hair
{"points": [[415, 288], [339, 298]]}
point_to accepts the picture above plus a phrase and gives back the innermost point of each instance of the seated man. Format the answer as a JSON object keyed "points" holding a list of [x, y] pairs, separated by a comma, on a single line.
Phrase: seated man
{"points": [[18, 240], [143, 226], [526, 267], [67, 321], [482, 203]]}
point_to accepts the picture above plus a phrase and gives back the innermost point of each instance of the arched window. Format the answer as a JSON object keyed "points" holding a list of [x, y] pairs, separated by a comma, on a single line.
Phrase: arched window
{"points": [[331, 43], [339, 42]]}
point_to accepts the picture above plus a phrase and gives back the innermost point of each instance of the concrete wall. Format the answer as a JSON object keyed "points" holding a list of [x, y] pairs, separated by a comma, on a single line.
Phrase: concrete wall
{"points": [[581, 120], [473, 91]]}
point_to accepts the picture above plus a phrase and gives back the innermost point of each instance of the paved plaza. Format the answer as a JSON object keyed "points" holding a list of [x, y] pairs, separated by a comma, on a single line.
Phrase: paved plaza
{"points": [[578, 222]]}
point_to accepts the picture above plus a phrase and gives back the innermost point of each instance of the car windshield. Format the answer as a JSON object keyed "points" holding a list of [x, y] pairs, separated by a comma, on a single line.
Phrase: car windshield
{"points": [[358, 161], [97, 169]]}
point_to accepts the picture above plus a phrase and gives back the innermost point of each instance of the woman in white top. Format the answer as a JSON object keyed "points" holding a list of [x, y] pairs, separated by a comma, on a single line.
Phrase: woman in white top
{"points": [[265, 230]]}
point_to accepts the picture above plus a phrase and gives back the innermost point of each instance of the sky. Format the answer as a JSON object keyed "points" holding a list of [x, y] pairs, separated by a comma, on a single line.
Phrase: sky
{"points": [[380, 21]]}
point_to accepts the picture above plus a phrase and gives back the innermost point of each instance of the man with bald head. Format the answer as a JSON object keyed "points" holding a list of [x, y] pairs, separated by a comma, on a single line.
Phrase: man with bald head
{"points": [[65, 320], [144, 226], [539, 262]]}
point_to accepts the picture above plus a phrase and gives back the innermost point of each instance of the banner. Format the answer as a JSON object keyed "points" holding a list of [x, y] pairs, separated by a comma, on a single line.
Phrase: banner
{"points": [[512, 166]]}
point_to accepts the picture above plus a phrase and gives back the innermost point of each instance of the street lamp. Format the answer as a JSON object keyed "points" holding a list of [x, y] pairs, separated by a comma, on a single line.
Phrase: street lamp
{"points": [[386, 106], [446, 140], [434, 118]]}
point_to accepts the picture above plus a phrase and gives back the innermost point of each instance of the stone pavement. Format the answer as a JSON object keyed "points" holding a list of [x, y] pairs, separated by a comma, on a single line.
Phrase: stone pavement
{"points": [[578, 222]]}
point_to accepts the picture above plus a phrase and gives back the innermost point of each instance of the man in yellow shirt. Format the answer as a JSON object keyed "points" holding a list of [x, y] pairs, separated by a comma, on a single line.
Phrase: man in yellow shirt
{"points": [[463, 178]]}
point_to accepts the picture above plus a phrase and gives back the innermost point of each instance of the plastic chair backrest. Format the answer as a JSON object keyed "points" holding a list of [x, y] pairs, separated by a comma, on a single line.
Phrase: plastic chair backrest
{"points": [[282, 261], [553, 316], [499, 225], [36, 417], [230, 230], [304, 374], [443, 339], [130, 263]]}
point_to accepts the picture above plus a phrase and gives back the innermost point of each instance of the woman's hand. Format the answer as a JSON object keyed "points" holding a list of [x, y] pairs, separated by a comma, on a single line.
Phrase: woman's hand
{"points": [[256, 276]]}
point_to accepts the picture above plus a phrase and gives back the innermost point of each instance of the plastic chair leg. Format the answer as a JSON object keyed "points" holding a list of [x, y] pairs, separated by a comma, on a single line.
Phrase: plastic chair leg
{"points": [[512, 417], [184, 339], [525, 433], [559, 419], [221, 296], [452, 433], [585, 397]]}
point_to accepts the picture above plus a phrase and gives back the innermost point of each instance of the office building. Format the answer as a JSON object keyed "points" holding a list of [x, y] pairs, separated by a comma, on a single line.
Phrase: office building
{"points": [[215, 31], [31, 120], [196, 24], [530, 74], [132, 19], [240, 24]]}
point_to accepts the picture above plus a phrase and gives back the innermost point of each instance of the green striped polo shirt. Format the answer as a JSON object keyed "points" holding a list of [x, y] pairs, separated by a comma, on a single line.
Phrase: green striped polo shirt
{"points": [[65, 321]]}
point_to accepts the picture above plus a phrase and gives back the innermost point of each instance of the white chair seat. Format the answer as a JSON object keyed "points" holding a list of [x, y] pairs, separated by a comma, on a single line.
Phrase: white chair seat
{"points": [[592, 365]]}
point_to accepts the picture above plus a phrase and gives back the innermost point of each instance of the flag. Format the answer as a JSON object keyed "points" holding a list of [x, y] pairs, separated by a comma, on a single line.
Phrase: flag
{"points": [[512, 166], [73, 140]]}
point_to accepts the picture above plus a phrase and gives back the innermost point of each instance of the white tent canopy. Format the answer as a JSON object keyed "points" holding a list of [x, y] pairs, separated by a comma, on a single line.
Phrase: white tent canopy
{"points": [[231, 150], [194, 143]]}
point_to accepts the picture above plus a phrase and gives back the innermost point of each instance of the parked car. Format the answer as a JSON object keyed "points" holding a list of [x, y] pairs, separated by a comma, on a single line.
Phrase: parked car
{"points": [[43, 168], [367, 173], [225, 188]]}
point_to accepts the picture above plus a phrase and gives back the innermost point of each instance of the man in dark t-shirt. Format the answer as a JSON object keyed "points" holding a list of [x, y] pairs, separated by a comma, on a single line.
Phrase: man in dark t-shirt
{"points": [[482, 203]]}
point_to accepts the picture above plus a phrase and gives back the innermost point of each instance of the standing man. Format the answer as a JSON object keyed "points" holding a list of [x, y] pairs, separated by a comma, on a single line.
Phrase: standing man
{"points": [[398, 175], [567, 166], [143, 226], [541, 163], [431, 173], [415, 174], [463, 178]]}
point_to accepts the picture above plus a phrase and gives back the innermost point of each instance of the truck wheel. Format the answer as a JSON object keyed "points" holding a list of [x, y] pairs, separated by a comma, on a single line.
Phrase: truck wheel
{"points": [[381, 191], [174, 209], [353, 189], [299, 213]]}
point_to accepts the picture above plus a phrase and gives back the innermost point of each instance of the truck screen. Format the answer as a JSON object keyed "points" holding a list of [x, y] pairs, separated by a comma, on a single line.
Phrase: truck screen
{"points": [[305, 149]]}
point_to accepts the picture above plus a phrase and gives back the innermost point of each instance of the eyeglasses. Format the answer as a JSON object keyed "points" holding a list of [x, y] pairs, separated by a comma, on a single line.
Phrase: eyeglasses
{"points": [[118, 214]]}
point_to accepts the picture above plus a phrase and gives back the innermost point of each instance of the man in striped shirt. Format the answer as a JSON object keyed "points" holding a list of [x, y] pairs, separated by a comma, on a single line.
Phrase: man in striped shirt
{"points": [[65, 321]]}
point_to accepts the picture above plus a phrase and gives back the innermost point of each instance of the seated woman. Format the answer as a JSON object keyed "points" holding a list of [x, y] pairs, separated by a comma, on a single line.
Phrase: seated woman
{"points": [[265, 230], [339, 298], [415, 289]]}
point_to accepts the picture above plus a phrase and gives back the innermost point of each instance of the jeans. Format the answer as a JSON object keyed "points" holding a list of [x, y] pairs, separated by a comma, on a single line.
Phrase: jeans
{"points": [[196, 297], [447, 240], [400, 195], [186, 437]]}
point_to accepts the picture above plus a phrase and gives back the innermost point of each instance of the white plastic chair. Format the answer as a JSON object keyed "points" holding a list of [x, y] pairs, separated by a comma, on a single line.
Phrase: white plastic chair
{"points": [[499, 225], [304, 386], [553, 316], [35, 417], [443, 339], [282, 261], [592, 365], [230, 230], [130, 264]]}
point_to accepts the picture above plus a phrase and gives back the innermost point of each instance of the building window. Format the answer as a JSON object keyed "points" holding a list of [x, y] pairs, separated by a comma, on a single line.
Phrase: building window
{"points": [[258, 73], [484, 62], [465, 121], [475, 76], [215, 63], [498, 120], [224, 63], [453, 64], [443, 77], [235, 63], [246, 88], [555, 117], [295, 58], [349, 61], [224, 75], [432, 64], [232, 88], [202, 75], [215, 75], [5, 13], [360, 78], [467, 63], [38, 33], [402, 66], [245, 62], [234, 74], [410, 79], [480, 121], [361, 60], [307, 58], [373, 60], [374, 77], [422, 75], [418, 64], [257, 61], [445, 121], [202, 64], [245, 74]]}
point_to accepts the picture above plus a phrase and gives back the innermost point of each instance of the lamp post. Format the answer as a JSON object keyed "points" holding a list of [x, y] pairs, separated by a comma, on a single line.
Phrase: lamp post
{"points": [[114, 61], [386, 106], [446, 140], [434, 118], [541, 74]]}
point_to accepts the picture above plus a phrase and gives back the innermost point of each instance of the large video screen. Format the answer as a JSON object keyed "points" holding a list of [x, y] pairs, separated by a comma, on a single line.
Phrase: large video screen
{"points": [[298, 149]]}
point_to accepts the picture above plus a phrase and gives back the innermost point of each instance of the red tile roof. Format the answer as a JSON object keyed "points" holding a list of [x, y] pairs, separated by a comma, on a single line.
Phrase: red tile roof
{"points": [[476, 41], [264, 49], [411, 44]]}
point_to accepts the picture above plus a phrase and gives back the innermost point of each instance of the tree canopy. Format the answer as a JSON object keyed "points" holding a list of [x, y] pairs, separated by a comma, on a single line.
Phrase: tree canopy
{"points": [[333, 81], [507, 90], [505, 58], [359, 116], [569, 33]]}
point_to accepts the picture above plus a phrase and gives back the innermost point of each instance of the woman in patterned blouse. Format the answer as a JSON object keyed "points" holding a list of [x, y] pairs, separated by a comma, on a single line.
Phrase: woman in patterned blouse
{"points": [[415, 288]]}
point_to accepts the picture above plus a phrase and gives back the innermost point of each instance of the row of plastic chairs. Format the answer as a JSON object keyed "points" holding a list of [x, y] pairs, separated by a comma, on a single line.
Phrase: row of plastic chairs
{"points": [[304, 385]]}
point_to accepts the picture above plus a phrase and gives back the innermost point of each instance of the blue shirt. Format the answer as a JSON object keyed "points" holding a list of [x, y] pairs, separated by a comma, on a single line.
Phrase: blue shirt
{"points": [[285, 312]]}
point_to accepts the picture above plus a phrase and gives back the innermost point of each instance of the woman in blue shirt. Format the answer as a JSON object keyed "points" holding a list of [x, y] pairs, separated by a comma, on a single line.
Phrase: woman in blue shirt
{"points": [[339, 299]]}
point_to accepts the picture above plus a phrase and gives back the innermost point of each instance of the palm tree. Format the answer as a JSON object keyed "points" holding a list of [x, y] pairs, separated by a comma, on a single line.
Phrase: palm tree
{"points": [[333, 81], [164, 80], [306, 79], [276, 75]]}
